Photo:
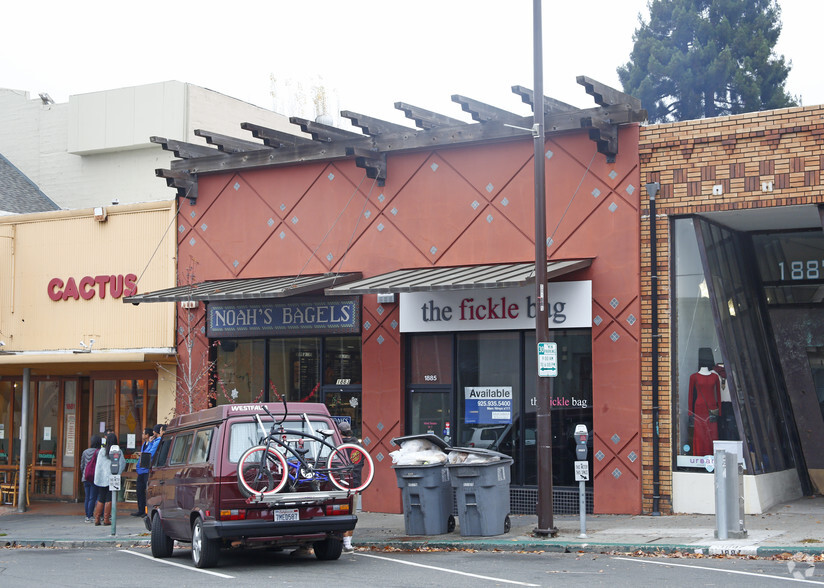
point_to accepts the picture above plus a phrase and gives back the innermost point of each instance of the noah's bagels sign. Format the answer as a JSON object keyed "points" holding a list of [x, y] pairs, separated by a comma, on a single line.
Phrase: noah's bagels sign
{"points": [[88, 287]]}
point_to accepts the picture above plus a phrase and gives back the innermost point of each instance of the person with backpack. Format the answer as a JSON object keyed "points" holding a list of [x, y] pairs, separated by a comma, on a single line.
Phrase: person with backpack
{"points": [[102, 471], [88, 461]]}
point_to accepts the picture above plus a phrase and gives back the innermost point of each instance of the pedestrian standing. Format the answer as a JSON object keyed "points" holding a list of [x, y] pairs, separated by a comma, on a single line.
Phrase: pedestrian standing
{"points": [[144, 462], [346, 435], [102, 471], [88, 462]]}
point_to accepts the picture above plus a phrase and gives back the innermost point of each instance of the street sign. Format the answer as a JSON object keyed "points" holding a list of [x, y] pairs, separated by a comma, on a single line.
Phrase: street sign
{"points": [[114, 481], [581, 471], [547, 359]]}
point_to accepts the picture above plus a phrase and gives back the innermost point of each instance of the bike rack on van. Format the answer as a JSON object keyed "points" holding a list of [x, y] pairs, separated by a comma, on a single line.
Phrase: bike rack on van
{"points": [[299, 498]]}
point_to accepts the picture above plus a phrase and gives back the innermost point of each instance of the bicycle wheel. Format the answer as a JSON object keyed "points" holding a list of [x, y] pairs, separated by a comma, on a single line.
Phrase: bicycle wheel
{"points": [[350, 467], [258, 477]]}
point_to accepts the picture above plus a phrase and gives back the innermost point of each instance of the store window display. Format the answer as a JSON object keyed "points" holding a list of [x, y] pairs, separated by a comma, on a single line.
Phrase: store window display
{"points": [[704, 403]]}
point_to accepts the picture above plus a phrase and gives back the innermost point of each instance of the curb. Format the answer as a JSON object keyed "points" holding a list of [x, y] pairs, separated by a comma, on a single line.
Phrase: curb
{"points": [[74, 543]]}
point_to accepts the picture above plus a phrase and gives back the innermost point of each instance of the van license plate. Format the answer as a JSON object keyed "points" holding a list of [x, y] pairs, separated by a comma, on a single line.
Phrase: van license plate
{"points": [[287, 515]]}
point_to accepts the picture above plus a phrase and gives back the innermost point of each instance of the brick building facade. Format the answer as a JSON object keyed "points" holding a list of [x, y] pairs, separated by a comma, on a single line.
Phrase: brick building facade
{"points": [[754, 181]]}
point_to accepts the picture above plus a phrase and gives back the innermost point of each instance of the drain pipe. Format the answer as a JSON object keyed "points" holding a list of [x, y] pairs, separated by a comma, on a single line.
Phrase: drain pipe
{"points": [[652, 191]]}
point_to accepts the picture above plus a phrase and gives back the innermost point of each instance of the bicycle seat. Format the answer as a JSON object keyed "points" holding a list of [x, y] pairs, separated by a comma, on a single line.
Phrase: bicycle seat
{"points": [[326, 432]]}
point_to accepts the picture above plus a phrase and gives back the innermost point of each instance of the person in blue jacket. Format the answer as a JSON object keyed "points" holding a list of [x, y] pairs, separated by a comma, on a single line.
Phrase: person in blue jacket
{"points": [[151, 439]]}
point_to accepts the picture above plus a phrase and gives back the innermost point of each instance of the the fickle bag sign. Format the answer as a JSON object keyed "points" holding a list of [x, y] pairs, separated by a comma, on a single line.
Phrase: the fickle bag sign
{"points": [[569, 305]]}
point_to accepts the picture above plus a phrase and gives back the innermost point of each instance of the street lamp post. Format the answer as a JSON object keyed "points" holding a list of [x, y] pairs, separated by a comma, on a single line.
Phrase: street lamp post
{"points": [[544, 384]]}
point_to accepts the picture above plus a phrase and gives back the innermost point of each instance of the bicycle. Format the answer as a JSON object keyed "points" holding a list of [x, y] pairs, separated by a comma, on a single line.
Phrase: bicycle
{"points": [[264, 469]]}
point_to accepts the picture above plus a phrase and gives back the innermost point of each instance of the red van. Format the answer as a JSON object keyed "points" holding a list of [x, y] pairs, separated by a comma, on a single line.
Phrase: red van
{"points": [[193, 494]]}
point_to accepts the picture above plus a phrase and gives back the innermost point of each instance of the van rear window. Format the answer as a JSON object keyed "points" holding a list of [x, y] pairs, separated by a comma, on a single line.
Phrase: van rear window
{"points": [[245, 435], [180, 449]]}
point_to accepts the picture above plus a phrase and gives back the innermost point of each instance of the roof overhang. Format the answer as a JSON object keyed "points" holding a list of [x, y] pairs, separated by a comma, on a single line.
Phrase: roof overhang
{"points": [[246, 288], [508, 275]]}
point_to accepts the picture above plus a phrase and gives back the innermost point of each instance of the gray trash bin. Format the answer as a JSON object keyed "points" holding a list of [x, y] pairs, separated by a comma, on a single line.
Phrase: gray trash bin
{"points": [[482, 492], [427, 494]]}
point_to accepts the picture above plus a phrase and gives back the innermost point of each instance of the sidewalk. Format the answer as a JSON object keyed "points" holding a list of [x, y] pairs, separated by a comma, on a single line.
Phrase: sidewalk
{"points": [[793, 528]]}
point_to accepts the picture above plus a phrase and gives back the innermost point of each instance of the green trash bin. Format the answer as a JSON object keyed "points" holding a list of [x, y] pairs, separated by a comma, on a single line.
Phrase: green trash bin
{"points": [[427, 493], [482, 492]]}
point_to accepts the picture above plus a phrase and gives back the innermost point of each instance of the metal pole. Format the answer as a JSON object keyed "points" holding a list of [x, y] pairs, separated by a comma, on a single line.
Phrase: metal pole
{"points": [[543, 388], [22, 479], [582, 508]]}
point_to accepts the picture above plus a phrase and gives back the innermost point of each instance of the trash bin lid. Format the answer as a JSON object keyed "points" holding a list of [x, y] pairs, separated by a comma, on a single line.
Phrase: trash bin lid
{"points": [[434, 439]]}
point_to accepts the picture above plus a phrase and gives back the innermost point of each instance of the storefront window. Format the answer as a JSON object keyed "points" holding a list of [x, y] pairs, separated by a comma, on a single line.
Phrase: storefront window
{"points": [[430, 385], [239, 370], [5, 422], [48, 402], [341, 361], [103, 405], [430, 359], [294, 368], [131, 415]]}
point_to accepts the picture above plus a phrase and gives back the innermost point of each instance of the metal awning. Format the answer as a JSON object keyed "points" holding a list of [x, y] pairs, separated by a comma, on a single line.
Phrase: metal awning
{"points": [[433, 279], [245, 289]]}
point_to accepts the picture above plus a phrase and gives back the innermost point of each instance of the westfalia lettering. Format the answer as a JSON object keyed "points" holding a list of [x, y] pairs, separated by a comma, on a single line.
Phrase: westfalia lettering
{"points": [[490, 309], [88, 287]]}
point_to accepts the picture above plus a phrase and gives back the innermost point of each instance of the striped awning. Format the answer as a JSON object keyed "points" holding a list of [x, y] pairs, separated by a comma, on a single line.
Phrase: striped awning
{"points": [[246, 289], [431, 279]]}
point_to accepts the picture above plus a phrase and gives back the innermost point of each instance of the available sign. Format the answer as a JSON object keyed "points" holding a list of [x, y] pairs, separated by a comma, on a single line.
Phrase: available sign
{"points": [[488, 405]]}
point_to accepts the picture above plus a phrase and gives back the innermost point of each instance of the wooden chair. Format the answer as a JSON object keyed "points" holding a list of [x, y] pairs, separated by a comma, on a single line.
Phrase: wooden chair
{"points": [[129, 479], [9, 492]]}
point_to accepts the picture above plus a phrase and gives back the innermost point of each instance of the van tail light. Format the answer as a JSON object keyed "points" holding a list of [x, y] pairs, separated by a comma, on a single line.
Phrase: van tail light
{"points": [[233, 515], [337, 509]]}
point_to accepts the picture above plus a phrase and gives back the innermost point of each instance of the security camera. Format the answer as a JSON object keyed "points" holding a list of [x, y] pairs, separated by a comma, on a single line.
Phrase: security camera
{"points": [[2, 343], [83, 344]]}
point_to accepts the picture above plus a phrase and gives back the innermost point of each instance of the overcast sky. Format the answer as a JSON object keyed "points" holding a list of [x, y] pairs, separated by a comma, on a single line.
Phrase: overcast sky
{"points": [[369, 54]]}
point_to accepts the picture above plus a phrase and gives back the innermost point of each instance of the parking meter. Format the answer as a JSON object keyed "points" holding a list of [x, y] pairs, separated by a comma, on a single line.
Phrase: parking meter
{"points": [[581, 435], [118, 462]]}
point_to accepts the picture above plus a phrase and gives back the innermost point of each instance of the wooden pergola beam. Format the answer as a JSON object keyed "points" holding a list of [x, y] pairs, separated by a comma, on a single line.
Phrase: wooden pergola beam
{"points": [[373, 126], [426, 119], [323, 133], [184, 150], [484, 112], [551, 106], [273, 138], [184, 183], [228, 144], [605, 95]]}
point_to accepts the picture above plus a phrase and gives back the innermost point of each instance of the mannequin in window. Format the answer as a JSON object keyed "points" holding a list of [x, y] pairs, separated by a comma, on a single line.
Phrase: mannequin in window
{"points": [[704, 403]]}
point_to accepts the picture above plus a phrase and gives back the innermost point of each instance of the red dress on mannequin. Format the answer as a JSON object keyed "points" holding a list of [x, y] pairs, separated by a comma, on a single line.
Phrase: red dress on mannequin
{"points": [[705, 395]]}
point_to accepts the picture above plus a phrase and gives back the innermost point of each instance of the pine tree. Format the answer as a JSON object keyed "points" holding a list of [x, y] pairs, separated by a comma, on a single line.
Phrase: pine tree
{"points": [[707, 58]]}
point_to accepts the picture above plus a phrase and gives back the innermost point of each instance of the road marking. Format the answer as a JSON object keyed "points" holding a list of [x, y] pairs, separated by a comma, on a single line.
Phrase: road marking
{"points": [[409, 563], [664, 563], [179, 565]]}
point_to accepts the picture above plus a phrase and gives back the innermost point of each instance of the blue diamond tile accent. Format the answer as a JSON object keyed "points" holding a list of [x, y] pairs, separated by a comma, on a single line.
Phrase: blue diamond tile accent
{"points": [[282, 234], [615, 438], [600, 455], [615, 336], [380, 339], [235, 263], [613, 207], [180, 330], [596, 192], [632, 457], [490, 187], [505, 202], [270, 222], [434, 167], [380, 227], [630, 189], [433, 250], [549, 154], [381, 198], [616, 473], [379, 457], [614, 303], [294, 220], [329, 257], [367, 325], [612, 175], [380, 310], [367, 441], [193, 214], [489, 218], [282, 207], [394, 325], [394, 211], [549, 242], [331, 176], [597, 320], [475, 204], [236, 186], [379, 426], [367, 214], [181, 228], [192, 241], [631, 319]]}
